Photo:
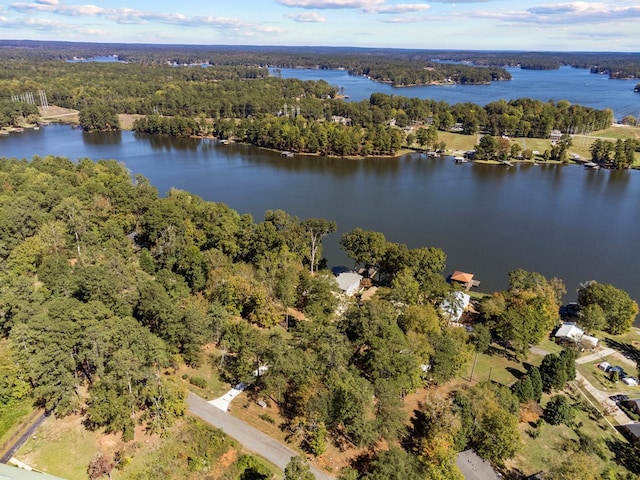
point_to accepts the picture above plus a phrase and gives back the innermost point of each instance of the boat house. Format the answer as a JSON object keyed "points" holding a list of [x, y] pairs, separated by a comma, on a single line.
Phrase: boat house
{"points": [[464, 279]]}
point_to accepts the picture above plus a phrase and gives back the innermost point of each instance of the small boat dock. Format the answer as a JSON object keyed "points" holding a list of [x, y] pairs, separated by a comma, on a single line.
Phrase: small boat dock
{"points": [[465, 279]]}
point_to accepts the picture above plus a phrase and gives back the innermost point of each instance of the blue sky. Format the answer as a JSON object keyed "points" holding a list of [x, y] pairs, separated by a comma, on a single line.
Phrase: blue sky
{"points": [[464, 24]]}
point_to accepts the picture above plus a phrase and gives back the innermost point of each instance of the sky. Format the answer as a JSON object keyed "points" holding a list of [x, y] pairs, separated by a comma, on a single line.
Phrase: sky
{"points": [[539, 25]]}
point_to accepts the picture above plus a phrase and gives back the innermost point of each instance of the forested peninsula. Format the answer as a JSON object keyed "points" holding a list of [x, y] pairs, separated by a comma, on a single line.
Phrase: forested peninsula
{"points": [[236, 98]]}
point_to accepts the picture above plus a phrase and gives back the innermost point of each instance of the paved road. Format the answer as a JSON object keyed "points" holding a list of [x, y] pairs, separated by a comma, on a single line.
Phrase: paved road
{"points": [[17, 444], [596, 357], [250, 437]]}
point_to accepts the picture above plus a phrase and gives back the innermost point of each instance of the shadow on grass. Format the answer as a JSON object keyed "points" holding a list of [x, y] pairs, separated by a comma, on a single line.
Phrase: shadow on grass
{"points": [[515, 372], [628, 350], [625, 454]]}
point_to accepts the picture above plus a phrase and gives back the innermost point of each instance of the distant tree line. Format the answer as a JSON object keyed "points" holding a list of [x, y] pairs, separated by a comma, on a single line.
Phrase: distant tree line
{"points": [[615, 64]]}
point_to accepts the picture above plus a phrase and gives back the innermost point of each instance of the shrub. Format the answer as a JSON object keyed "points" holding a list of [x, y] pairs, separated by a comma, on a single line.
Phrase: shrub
{"points": [[267, 418], [198, 382]]}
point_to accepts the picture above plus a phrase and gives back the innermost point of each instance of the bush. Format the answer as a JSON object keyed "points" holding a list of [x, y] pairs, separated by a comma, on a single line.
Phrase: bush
{"points": [[267, 418], [198, 382], [559, 410]]}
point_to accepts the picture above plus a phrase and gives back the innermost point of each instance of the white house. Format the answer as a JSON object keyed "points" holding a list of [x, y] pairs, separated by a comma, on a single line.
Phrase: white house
{"points": [[349, 282], [455, 305], [571, 332]]}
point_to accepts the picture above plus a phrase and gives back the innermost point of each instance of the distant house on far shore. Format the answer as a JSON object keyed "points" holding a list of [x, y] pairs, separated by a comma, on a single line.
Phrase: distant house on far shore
{"points": [[555, 136], [340, 119]]}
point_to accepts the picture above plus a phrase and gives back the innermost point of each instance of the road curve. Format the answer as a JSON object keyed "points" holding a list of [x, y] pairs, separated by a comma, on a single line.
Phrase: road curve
{"points": [[250, 437]]}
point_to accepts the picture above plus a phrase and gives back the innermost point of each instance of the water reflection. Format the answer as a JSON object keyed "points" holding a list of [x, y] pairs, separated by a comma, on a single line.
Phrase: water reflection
{"points": [[166, 143], [102, 138]]}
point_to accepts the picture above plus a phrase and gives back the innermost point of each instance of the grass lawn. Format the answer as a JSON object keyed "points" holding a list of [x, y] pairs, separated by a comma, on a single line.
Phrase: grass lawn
{"points": [[61, 447], [457, 141], [13, 416], [498, 368], [208, 370], [550, 346], [549, 447], [581, 144], [600, 379], [618, 132]]}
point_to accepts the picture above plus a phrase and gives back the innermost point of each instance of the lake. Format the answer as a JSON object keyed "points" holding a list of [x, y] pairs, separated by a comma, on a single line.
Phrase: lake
{"points": [[561, 221], [578, 86]]}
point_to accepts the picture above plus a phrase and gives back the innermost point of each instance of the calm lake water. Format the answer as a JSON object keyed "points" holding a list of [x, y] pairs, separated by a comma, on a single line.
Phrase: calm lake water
{"points": [[578, 86], [561, 221]]}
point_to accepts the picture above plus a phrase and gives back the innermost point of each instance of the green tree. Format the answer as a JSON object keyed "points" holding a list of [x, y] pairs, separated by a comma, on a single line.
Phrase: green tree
{"points": [[536, 383], [523, 389], [576, 466], [481, 337], [592, 318], [298, 469], [365, 247], [99, 117], [559, 410], [394, 464], [617, 305], [498, 437]]}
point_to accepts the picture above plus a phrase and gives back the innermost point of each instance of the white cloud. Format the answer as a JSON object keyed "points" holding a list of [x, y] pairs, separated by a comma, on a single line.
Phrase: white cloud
{"points": [[398, 9], [407, 19], [312, 17], [129, 16], [567, 14], [332, 4]]}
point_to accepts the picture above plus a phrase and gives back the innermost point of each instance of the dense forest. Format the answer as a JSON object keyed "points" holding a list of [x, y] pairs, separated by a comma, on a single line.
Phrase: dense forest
{"points": [[616, 65], [250, 105], [106, 288]]}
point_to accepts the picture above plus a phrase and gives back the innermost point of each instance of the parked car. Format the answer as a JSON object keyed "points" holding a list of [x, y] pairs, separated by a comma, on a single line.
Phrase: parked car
{"points": [[618, 369], [604, 366], [619, 398]]}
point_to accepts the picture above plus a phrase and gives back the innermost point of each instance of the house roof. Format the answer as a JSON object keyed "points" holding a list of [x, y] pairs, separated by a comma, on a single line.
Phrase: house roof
{"points": [[8, 472], [633, 428], [474, 467], [455, 305], [571, 331], [349, 282], [462, 277]]}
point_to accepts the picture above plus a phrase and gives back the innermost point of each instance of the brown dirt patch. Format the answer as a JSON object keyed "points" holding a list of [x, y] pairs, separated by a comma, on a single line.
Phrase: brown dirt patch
{"points": [[224, 462], [126, 120], [59, 114]]}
